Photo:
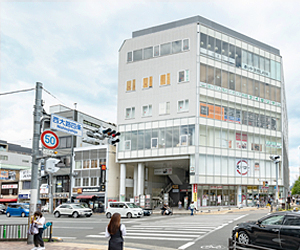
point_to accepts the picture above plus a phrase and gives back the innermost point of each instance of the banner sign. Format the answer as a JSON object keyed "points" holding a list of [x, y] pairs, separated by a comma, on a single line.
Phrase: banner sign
{"points": [[9, 186], [65, 125]]}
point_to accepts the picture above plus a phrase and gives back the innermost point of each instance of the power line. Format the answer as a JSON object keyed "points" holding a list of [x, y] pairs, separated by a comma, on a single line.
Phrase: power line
{"points": [[17, 91], [53, 96]]}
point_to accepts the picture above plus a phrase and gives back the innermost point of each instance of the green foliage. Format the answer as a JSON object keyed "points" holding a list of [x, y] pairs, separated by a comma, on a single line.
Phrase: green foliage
{"points": [[296, 187]]}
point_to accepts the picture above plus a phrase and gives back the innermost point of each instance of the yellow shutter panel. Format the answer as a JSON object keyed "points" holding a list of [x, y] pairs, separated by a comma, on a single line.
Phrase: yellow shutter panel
{"points": [[133, 84], [162, 79], [151, 81], [145, 82], [168, 79], [128, 87]]}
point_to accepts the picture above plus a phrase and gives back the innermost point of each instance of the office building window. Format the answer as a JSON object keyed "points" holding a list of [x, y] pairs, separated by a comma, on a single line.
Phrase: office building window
{"points": [[176, 46], [165, 79], [93, 181], [4, 157], [137, 55], [65, 142], [185, 44], [183, 105], [147, 110], [77, 182], [94, 163], [129, 56], [183, 76], [165, 49], [156, 50], [85, 182], [86, 164], [164, 108], [130, 85], [148, 53], [147, 82], [130, 113], [154, 142], [78, 165]]}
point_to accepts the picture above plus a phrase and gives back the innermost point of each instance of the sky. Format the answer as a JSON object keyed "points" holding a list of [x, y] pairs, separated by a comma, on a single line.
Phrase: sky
{"points": [[72, 48]]}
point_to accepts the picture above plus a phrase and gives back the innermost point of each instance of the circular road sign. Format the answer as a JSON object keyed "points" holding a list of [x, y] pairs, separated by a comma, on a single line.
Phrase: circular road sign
{"points": [[49, 139]]}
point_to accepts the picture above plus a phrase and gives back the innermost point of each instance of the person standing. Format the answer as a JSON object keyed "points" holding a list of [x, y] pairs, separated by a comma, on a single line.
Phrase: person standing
{"points": [[257, 203], [192, 207], [38, 238], [115, 230], [179, 205]]}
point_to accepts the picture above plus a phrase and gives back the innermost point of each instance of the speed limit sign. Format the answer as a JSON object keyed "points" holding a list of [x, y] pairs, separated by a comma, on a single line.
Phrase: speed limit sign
{"points": [[49, 139]]}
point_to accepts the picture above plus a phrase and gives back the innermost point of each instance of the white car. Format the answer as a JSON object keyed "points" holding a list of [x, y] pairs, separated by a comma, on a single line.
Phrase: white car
{"points": [[125, 209], [73, 210]]}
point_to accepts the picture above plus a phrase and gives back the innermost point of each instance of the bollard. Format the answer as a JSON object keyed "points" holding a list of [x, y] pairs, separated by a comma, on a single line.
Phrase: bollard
{"points": [[19, 232], [4, 232]]}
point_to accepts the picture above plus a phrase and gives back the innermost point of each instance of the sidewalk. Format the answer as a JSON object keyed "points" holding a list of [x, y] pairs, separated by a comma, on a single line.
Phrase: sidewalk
{"points": [[22, 245]]}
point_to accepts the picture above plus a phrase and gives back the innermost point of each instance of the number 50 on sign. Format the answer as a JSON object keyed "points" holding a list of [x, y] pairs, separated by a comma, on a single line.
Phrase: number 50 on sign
{"points": [[49, 139]]}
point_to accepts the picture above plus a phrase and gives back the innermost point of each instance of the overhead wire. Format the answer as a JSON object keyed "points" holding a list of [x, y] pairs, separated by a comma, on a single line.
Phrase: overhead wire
{"points": [[16, 91]]}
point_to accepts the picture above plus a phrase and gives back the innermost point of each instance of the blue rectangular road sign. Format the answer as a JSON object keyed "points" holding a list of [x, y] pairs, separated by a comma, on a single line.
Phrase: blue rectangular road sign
{"points": [[65, 125]]}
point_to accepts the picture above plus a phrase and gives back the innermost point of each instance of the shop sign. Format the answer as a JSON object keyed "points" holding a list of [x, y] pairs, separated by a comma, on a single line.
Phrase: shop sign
{"points": [[61, 195], [175, 190], [24, 196], [96, 189], [241, 140], [195, 188], [242, 167], [44, 189], [256, 166], [79, 190], [25, 175], [251, 97], [162, 171], [216, 187], [273, 144], [8, 175], [9, 186]]}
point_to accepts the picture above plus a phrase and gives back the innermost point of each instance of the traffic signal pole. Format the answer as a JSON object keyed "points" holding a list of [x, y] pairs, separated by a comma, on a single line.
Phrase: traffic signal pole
{"points": [[37, 113]]}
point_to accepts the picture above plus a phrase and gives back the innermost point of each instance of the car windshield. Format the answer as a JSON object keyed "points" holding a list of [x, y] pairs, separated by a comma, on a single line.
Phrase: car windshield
{"points": [[77, 206], [132, 205], [25, 206]]}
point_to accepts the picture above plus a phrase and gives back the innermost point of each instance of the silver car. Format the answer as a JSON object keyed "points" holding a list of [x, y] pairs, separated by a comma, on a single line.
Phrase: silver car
{"points": [[73, 210]]}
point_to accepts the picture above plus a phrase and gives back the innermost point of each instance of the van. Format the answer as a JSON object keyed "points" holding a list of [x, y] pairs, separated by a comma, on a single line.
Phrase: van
{"points": [[125, 209], [17, 209]]}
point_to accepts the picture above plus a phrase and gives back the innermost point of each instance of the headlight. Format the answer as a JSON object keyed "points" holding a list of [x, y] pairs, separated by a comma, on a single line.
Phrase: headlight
{"points": [[235, 227]]}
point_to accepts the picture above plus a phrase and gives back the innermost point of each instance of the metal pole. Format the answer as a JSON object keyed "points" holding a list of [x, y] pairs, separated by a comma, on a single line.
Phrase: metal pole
{"points": [[51, 193], [37, 113], [277, 191], [72, 160]]}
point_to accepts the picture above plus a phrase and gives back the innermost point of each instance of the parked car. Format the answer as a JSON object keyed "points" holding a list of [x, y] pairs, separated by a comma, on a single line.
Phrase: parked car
{"points": [[73, 210], [45, 208], [279, 230], [125, 209], [17, 209], [2, 209]]}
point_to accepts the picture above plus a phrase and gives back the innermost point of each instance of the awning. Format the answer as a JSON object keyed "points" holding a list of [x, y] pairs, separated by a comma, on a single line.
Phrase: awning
{"points": [[8, 200], [85, 196]]}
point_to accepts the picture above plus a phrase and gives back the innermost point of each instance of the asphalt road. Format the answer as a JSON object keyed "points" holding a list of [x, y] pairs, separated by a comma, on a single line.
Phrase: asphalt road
{"points": [[205, 231]]}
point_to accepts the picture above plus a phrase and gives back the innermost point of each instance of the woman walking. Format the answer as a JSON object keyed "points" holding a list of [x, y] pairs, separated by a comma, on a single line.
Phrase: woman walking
{"points": [[38, 238], [115, 230]]}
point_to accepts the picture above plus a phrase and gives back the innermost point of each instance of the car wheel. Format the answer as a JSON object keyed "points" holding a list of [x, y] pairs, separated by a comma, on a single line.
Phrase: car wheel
{"points": [[129, 215], [75, 215], [8, 214], [88, 215], [243, 238], [57, 214], [23, 214], [108, 215]]}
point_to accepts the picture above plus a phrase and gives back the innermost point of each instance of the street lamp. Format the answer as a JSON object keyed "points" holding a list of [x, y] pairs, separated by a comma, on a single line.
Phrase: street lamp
{"points": [[276, 160]]}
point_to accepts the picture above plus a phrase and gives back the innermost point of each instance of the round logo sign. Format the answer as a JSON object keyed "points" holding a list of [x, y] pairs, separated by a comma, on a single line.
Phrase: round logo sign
{"points": [[242, 167], [49, 139]]}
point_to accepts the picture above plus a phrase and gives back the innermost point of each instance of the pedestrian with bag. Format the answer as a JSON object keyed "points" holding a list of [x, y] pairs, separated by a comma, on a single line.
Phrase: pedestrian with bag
{"points": [[115, 230], [39, 221]]}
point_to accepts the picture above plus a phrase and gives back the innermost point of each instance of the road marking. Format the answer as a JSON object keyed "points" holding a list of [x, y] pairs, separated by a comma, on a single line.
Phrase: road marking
{"points": [[67, 238], [240, 217], [74, 227], [142, 238], [186, 245], [172, 226], [187, 232]]}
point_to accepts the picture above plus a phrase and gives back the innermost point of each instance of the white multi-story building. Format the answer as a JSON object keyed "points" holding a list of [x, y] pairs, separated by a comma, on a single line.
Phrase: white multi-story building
{"points": [[201, 108]]}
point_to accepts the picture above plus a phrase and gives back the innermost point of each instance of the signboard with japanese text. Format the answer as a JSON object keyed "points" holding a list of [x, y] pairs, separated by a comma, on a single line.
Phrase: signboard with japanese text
{"points": [[25, 175], [9, 186], [242, 167], [65, 125]]}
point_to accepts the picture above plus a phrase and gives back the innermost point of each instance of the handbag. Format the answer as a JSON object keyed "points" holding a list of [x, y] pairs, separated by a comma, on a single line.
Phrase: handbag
{"points": [[33, 229]]}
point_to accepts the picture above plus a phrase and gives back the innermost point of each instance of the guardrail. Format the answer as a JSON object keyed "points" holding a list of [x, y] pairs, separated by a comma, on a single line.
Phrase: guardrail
{"points": [[10, 232], [234, 245]]}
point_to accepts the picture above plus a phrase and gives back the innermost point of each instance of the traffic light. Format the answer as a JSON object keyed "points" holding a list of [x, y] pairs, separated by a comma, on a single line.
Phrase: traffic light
{"points": [[51, 164]]}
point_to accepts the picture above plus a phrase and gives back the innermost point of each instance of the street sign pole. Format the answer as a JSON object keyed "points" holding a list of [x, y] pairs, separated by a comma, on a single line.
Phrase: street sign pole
{"points": [[35, 153]]}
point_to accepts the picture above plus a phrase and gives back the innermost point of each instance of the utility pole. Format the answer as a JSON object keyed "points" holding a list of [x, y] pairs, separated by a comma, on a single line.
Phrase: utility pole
{"points": [[37, 113]]}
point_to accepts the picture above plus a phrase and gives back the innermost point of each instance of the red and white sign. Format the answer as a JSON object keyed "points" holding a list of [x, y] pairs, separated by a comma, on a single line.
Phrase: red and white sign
{"points": [[9, 186], [195, 188], [242, 167], [49, 139]]}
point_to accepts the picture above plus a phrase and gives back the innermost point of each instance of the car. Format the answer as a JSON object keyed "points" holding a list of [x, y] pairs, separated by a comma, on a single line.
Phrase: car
{"points": [[278, 230], [125, 209], [2, 209], [17, 209], [45, 208], [73, 210]]}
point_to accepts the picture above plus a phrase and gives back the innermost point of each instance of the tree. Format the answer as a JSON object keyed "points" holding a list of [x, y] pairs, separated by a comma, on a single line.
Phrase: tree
{"points": [[296, 187]]}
